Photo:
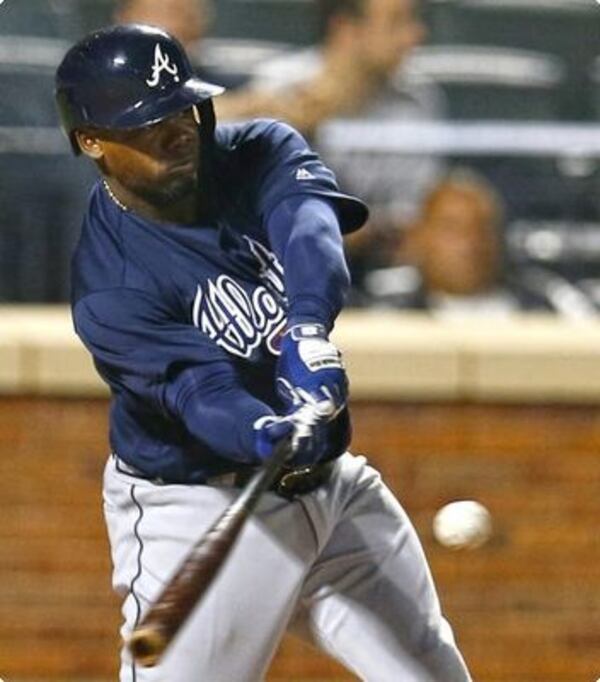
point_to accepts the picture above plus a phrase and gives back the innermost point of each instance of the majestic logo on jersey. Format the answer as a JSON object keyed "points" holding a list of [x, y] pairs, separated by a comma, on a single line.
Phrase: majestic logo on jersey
{"points": [[238, 320], [162, 62], [303, 174]]}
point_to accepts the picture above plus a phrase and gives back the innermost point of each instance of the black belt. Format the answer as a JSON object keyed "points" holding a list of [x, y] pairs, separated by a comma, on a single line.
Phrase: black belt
{"points": [[291, 482]]}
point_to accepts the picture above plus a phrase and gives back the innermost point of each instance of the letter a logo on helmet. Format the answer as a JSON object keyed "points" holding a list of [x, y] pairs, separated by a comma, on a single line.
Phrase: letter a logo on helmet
{"points": [[162, 63]]}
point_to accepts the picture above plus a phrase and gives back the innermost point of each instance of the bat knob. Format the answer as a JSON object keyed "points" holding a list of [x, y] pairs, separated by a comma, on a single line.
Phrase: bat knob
{"points": [[146, 645]]}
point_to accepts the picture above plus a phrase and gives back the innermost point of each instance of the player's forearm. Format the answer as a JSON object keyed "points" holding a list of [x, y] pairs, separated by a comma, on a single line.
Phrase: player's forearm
{"points": [[217, 411], [305, 233]]}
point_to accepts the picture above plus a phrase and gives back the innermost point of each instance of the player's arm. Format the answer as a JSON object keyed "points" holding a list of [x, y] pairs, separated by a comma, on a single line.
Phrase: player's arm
{"points": [[305, 233], [303, 217], [218, 411], [172, 368]]}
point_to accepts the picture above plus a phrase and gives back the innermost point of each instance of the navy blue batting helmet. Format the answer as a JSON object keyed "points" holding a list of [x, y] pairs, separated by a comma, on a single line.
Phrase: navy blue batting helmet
{"points": [[126, 76]]}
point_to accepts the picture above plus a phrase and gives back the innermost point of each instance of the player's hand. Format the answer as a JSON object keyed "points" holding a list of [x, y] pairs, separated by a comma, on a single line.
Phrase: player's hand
{"points": [[310, 369], [307, 427]]}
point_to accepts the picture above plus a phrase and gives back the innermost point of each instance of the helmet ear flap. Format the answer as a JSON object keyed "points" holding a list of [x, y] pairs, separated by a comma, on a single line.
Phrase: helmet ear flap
{"points": [[74, 143], [206, 118], [208, 192]]}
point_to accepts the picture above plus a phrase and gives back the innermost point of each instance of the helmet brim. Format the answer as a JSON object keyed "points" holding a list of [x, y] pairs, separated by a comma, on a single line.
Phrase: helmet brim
{"points": [[142, 114]]}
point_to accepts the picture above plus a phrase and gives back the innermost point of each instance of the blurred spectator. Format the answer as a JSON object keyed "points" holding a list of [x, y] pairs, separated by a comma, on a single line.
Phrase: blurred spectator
{"points": [[362, 44], [457, 267], [356, 73], [187, 20]]}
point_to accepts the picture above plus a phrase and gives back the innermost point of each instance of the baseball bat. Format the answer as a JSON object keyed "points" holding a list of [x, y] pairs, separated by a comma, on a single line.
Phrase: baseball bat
{"points": [[151, 637]]}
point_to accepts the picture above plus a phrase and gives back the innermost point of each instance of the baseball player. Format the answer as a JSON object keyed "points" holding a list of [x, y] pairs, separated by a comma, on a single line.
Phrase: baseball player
{"points": [[206, 281]]}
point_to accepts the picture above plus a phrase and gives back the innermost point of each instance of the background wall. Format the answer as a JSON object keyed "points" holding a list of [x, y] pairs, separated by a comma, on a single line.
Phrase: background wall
{"points": [[526, 607]]}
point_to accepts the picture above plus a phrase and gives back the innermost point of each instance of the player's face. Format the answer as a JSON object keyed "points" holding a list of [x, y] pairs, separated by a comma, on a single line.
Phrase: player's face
{"points": [[389, 30], [157, 163]]}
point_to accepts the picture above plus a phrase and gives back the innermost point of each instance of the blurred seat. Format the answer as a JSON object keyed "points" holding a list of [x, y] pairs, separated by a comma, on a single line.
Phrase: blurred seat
{"points": [[27, 66], [287, 21], [68, 19], [234, 60], [33, 17], [595, 87], [493, 83], [43, 188], [43, 197], [536, 187], [491, 21], [569, 29], [569, 247], [88, 15]]}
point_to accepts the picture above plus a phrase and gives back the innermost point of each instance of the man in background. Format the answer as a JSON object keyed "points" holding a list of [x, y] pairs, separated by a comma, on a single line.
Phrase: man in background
{"points": [[349, 72], [187, 20], [356, 73]]}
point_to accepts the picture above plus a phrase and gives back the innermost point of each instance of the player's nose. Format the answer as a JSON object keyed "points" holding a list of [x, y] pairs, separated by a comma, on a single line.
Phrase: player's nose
{"points": [[180, 133], [179, 138]]}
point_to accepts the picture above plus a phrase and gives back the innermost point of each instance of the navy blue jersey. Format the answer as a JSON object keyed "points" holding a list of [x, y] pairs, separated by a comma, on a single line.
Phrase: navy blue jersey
{"points": [[172, 312]]}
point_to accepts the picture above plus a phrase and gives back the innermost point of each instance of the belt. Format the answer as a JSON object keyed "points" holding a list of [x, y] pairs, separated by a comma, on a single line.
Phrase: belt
{"points": [[291, 482]]}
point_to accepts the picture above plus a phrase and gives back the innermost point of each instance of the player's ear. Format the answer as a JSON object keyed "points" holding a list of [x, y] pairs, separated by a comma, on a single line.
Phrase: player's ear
{"points": [[89, 144]]}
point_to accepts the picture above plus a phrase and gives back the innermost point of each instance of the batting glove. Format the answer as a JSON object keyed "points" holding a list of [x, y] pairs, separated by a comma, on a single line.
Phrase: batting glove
{"points": [[307, 426], [310, 370]]}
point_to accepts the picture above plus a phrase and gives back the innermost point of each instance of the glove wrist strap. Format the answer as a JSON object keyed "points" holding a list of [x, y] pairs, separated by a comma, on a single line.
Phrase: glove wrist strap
{"points": [[307, 330]]}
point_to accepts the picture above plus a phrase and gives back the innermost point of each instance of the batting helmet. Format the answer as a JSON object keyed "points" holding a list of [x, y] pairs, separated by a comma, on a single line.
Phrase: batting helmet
{"points": [[124, 77]]}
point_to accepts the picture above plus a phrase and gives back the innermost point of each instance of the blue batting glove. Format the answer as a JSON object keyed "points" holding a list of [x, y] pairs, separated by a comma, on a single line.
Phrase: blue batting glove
{"points": [[310, 369], [308, 427], [268, 432]]}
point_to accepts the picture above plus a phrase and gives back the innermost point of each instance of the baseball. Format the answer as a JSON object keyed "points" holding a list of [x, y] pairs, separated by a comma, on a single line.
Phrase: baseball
{"points": [[464, 524]]}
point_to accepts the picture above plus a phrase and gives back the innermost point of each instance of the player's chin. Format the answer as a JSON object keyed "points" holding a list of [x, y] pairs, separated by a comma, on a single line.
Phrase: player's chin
{"points": [[172, 188]]}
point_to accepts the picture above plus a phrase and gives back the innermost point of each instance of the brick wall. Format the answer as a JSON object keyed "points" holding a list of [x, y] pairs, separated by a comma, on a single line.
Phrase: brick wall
{"points": [[526, 608]]}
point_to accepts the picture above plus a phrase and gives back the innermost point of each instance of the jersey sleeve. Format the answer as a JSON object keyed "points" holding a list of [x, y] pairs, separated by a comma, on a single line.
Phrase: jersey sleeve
{"points": [[169, 367], [288, 167]]}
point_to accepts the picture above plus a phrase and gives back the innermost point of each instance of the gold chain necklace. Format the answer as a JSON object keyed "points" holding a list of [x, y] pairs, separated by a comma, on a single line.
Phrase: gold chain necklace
{"points": [[111, 194]]}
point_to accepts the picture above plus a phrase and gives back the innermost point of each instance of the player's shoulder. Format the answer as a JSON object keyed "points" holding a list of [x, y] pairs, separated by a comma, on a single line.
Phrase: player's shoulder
{"points": [[253, 148], [268, 132]]}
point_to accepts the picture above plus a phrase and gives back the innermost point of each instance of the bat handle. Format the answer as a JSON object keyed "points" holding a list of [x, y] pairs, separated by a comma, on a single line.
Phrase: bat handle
{"points": [[265, 476]]}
